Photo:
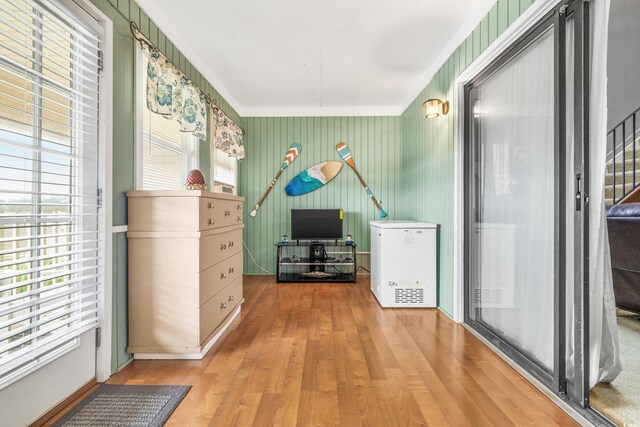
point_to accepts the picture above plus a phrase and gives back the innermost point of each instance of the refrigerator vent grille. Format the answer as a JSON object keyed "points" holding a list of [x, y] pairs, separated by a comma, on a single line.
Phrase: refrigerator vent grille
{"points": [[409, 296]]}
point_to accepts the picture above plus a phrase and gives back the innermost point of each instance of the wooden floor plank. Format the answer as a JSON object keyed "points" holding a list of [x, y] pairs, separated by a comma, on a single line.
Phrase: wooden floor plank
{"points": [[328, 354]]}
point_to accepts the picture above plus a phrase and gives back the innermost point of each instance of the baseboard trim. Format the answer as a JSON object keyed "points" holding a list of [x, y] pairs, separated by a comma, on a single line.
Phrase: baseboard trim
{"points": [[193, 356], [446, 314], [124, 364], [66, 402]]}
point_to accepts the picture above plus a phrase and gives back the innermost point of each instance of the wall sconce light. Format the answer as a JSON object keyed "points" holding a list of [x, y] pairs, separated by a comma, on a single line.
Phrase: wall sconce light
{"points": [[434, 107]]}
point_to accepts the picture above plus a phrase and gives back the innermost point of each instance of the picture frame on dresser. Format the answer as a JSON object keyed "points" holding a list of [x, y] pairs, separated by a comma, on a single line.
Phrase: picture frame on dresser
{"points": [[185, 271]]}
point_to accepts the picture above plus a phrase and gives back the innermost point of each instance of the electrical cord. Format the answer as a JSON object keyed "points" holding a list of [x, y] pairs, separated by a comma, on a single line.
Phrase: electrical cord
{"points": [[254, 260], [341, 273]]}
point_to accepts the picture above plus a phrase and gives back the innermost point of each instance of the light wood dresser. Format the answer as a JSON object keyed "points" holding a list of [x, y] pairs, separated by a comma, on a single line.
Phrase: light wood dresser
{"points": [[185, 271]]}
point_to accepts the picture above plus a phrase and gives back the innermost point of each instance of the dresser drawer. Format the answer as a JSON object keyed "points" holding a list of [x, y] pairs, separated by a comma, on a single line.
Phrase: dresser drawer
{"points": [[218, 247], [211, 314], [215, 213], [216, 278], [233, 294], [232, 212], [219, 307], [189, 210], [210, 213]]}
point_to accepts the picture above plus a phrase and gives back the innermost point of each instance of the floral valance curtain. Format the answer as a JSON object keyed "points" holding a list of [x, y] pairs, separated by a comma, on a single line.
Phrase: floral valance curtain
{"points": [[227, 135], [171, 94]]}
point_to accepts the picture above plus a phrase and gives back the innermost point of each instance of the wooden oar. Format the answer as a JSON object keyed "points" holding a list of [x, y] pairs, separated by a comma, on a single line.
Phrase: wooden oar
{"points": [[345, 153], [291, 155]]}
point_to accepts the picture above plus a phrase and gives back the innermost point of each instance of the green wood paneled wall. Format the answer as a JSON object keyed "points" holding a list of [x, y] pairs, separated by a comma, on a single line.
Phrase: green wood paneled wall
{"points": [[121, 12], [375, 145], [407, 160], [427, 145]]}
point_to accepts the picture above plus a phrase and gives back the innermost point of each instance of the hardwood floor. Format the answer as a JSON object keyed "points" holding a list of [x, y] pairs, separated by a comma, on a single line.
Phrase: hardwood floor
{"points": [[327, 354]]}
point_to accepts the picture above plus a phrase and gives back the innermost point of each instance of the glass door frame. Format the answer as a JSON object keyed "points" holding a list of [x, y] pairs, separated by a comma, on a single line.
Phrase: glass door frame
{"points": [[555, 19], [577, 391]]}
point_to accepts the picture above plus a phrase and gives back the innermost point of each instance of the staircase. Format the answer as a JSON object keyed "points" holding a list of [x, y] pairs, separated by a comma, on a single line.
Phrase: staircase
{"points": [[622, 175]]}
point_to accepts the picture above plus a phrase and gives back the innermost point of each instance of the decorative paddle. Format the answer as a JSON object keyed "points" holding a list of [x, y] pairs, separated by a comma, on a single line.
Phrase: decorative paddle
{"points": [[291, 155], [345, 153]]}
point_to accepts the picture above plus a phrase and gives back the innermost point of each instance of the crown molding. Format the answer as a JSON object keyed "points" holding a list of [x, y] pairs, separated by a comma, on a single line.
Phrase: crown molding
{"points": [[320, 111]]}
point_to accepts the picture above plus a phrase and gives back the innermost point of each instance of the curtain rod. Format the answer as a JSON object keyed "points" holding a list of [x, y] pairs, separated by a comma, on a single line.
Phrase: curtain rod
{"points": [[137, 35]]}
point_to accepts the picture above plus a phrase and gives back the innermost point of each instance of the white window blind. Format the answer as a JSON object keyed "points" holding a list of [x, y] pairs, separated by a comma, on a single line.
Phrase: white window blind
{"points": [[167, 153], [224, 168], [51, 254]]}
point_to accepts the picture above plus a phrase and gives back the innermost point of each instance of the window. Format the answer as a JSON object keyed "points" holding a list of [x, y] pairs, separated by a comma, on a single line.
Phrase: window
{"points": [[166, 153], [224, 168], [51, 253]]}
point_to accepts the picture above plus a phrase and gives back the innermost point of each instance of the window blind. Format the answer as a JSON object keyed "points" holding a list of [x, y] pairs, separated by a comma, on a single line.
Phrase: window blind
{"points": [[51, 256], [224, 170], [168, 154]]}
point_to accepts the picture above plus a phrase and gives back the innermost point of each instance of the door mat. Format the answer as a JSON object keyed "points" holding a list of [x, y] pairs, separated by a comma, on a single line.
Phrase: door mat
{"points": [[125, 405]]}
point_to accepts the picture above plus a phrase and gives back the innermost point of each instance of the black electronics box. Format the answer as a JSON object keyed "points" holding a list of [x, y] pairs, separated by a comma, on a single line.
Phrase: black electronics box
{"points": [[317, 254]]}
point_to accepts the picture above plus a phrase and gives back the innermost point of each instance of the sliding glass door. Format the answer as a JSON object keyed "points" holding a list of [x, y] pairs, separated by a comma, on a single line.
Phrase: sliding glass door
{"points": [[520, 163]]}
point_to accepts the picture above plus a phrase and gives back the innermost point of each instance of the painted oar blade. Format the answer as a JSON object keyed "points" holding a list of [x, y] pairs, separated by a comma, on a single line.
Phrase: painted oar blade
{"points": [[292, 153], [345, 153], [382, 214]]}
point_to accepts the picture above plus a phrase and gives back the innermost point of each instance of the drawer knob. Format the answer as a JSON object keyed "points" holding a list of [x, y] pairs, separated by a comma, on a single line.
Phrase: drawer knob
{"points": [[227, 213], [239, 219], [239, 207], [211, 222], [231, 270], [230, 244], [230, 298], [223, 306], [210, 205], [223, 276]]}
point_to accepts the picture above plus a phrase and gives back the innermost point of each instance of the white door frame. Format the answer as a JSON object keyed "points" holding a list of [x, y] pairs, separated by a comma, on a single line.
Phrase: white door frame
{"points": [[103, 353], [520, 26]]}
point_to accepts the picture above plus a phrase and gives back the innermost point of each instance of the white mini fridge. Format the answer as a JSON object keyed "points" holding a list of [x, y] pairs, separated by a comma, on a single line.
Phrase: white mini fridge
{"points": [[403, 263]]}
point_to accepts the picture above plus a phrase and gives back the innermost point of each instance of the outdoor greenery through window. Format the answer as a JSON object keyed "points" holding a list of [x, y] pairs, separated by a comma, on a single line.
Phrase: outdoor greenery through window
{"points": [[50, 219], [167, 153]]}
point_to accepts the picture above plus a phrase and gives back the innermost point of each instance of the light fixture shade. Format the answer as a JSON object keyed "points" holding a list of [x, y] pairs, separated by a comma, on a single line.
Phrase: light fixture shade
{"points": [[434, 107]]}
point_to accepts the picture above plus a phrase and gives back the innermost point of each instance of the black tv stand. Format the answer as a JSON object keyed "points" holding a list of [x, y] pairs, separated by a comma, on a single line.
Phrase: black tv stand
{"points": [[296, 263]]}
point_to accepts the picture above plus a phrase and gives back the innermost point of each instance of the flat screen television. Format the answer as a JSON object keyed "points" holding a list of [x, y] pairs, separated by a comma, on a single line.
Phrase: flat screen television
{"points": [[316, 224]]}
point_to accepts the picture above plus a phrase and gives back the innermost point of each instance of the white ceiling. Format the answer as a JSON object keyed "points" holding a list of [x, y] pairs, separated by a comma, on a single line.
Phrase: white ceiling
{"points": [[317, 57]]}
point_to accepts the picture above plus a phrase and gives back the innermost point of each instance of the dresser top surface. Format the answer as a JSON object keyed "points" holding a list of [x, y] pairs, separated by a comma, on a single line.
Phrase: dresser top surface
{"points": [[182, 193]]}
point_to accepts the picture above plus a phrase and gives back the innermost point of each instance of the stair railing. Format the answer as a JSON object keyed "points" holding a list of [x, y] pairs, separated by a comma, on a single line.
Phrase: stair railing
{"points": [[621, 136]]}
